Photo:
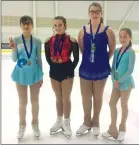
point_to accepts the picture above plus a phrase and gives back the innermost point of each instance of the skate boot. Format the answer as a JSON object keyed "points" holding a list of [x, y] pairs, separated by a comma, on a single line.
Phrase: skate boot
{"points": [[81, 131], [57, 125], [121, 136], [106, 135], [66, 128], [21, 132], [36, 130], [96, 131]]}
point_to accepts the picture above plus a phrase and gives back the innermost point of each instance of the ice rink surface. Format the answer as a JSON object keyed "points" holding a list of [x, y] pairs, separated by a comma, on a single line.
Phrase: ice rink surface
{"points": [[47, 115]]}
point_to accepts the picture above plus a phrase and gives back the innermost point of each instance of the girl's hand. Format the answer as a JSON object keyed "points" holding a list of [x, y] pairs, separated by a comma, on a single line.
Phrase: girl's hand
{"points": [[12, 44], [116, 84]]}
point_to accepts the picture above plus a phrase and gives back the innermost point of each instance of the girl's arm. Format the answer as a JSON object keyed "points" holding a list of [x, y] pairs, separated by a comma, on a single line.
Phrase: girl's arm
{"points": [[39, 45], [75, 48], [113, 66], [47, 52], [130, 67], [80, 40], [111, 41], [14, 50]]}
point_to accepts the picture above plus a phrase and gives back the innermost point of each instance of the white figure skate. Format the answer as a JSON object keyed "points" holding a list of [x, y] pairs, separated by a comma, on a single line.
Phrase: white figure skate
{"points": [[121, 136], [96, 131], [82, 130], [36, 130], [20, 133], [57, 126], [66, 128]]}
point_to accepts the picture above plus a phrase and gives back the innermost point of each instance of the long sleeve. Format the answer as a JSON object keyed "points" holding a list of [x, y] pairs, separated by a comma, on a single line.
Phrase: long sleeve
{"points": [[47, 52], [39, 58], [75, 48], [113, 66], [130, 67], [15, 52]]}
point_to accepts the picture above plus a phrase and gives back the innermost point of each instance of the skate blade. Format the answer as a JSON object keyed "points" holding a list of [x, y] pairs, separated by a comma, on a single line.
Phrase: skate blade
{"points": [[55, 132], [67, 136], [96, 136], [120, 141], [109, 138], [37, 137], [86, 133], [63, 132], [19, 140]]}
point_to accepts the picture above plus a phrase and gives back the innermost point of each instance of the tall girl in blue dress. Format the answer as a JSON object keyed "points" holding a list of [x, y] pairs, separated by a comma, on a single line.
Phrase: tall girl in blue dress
{"points": [[26, 52], [95, 68]]}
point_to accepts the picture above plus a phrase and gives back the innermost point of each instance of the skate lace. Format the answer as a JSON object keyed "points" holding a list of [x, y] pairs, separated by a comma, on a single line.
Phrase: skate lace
{"points": [[36, 128], [21, 129], [121, 135], [57, 122], [67, 126], [83, 126]]}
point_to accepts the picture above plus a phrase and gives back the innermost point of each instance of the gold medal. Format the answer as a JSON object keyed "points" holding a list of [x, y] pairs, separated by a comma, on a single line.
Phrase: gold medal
{"points": [[60, 60], [28, 62], [53, 59]]}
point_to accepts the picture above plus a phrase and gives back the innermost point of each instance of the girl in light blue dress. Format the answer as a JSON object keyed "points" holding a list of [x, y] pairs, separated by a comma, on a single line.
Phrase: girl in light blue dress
{"points": [[26, 52], [123, 83]]}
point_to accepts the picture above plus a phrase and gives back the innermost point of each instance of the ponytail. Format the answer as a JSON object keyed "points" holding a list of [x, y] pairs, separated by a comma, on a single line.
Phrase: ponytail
{"points": [[53, 30], [89, 21], [130, 43], [101, 20]]}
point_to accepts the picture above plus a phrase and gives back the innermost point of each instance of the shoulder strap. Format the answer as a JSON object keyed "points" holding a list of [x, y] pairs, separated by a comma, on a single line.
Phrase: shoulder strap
{"points": [[106, 28], [84, 28]]}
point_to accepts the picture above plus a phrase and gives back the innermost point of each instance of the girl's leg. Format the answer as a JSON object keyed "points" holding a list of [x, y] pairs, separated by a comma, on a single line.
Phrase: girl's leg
{"points": [[124, 105], [58, 93], [113, 102], [86, 92], [34, 92], [66, 93], [22, 94], [98, 89]]}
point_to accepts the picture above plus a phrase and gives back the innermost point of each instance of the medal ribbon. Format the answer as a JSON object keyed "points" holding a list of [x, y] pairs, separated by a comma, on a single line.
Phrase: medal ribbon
{"points": [[58, 45], [31, 45], [91, 32], [118, 60]]}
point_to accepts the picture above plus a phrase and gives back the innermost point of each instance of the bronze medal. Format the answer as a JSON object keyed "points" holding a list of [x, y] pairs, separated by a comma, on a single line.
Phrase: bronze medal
{"points": [[53, 59], [60, 60], [28, 62]]}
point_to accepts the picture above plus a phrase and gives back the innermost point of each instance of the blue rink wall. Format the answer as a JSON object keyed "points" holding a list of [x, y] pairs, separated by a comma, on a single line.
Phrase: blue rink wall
{"points": [[6, 49]]}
